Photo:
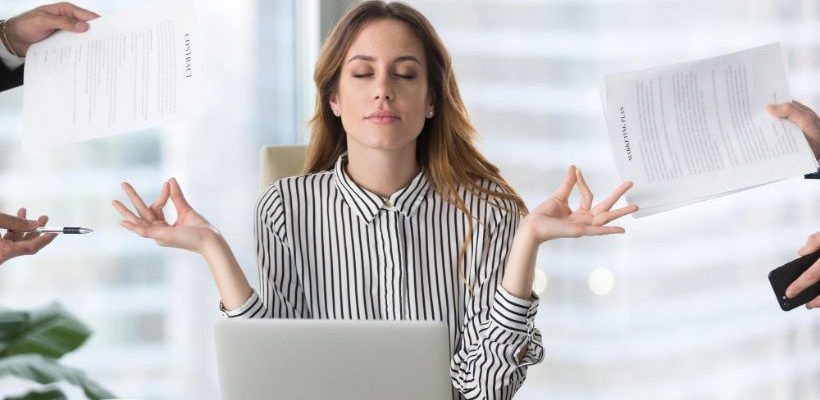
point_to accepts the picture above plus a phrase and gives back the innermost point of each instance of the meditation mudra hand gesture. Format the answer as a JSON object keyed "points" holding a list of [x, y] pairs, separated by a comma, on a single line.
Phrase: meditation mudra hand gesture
{"points": [[190, 231], [554, 219]]}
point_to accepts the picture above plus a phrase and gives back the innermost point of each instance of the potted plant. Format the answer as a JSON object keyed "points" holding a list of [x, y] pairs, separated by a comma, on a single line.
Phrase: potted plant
{"points": [[31, 344]]}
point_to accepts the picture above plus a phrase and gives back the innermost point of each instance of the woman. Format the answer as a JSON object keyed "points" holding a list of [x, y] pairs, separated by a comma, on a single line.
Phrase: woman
{"points": [[399, 216]]}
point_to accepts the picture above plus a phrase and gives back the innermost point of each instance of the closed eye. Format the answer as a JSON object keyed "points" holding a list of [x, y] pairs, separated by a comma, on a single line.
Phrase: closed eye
{"points": [[361, 75]]}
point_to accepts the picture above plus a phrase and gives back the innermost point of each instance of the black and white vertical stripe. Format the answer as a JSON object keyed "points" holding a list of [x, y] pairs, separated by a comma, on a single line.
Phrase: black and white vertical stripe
{"points": [[328, 248]]}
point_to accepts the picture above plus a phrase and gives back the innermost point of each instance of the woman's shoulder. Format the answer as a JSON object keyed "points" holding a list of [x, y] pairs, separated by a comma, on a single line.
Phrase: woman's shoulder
{"points": [[287, 185], [275, 198]]}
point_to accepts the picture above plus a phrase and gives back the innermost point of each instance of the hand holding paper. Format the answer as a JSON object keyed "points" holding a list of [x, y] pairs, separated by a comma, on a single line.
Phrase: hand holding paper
{"points": [[132, 70], [805, 118], [33, 26], [693, 131]]}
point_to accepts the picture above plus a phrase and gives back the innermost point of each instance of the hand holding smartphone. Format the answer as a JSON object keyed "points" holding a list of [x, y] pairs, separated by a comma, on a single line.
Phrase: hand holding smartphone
{"points": [[784, 275]]}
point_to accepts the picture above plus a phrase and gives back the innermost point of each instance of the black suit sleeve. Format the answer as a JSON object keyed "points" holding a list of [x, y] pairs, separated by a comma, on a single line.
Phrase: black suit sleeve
{"points": [[10, 79], [815, 175]]}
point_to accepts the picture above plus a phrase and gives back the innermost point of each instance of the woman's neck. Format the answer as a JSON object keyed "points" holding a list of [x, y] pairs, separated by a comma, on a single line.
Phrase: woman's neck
{"points": [[382, 172]]}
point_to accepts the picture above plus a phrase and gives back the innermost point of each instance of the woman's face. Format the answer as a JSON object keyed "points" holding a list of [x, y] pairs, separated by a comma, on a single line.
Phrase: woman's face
{"points": [[382, 95]]}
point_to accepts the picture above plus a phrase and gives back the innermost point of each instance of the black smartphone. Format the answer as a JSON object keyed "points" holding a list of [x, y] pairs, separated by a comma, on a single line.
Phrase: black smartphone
{"points": [[783, 276]]}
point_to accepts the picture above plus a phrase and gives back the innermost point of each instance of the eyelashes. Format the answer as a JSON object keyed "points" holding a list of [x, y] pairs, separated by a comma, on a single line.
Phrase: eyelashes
{"points": [[402, 76]]}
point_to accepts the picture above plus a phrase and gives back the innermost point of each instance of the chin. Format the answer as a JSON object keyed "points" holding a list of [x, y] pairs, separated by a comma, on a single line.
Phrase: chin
{"points": [[385, 140], [385, 145]]}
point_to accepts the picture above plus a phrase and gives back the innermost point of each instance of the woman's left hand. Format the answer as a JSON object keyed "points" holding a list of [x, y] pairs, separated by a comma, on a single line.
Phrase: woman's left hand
{"points": [[555, 219]]}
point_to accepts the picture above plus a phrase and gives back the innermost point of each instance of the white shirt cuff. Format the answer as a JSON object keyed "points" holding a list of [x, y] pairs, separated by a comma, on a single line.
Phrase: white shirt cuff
{"points": [[11, 61]]}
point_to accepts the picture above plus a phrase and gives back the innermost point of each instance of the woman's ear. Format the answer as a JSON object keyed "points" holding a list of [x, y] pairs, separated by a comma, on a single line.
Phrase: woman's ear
{"points": [[334, 105]]}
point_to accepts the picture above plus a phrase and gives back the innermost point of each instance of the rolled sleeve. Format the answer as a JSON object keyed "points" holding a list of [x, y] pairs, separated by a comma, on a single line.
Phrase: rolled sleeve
{"points": [[247, 309]]}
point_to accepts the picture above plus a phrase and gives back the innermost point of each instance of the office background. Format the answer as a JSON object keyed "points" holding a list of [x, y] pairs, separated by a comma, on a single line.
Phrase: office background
{"points": [[678, 308]]}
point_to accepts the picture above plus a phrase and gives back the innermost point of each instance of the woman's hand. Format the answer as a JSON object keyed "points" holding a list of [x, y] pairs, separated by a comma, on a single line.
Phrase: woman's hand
{"points": [[190, 231], [805, 118], [555, 219]]}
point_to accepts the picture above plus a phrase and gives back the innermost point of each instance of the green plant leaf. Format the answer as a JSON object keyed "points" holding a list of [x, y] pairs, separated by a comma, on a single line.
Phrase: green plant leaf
{"points": [[11, 323], [50, 331], [45, 370], [44, 394]]}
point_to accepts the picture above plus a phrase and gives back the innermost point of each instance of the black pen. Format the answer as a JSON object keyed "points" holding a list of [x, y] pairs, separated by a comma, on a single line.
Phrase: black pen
{"points": [[64, 229]]}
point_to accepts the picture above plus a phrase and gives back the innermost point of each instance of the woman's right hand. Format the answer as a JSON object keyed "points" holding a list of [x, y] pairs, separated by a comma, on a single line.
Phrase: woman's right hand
{"points": [[190, 231]]}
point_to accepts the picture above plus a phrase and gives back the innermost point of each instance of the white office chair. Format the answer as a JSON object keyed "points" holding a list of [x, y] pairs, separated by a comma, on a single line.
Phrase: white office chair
{"points": [[277, 162]]}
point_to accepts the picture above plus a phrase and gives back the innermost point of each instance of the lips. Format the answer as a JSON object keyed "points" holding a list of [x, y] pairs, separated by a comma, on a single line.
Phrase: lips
{"points": [[382, 117]]}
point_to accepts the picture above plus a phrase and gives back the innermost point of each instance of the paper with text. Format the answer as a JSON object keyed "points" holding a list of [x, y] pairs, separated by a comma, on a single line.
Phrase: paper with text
{"points": [[697, 130], [131, 70]]}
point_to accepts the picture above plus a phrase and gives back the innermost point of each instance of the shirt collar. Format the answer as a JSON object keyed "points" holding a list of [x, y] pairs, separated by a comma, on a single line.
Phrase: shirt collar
{"points": [[368, 205]]}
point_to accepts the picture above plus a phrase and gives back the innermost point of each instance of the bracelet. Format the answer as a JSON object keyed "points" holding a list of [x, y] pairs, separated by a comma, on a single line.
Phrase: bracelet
{"points": [[6, 41]]}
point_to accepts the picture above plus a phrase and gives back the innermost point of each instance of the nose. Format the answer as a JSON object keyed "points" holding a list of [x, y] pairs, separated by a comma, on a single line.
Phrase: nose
{"points": [[383, 89]]}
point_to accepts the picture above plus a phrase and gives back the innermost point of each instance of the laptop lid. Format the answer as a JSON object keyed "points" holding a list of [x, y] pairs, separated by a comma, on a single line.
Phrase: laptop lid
{"points": [[332, 359]]}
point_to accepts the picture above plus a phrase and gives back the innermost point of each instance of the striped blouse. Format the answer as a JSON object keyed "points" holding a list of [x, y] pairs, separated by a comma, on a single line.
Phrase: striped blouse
{"points": [[327, 248]]}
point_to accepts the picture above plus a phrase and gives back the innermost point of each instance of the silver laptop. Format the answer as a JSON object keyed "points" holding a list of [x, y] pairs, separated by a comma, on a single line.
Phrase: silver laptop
{"points": [[332, 359]]}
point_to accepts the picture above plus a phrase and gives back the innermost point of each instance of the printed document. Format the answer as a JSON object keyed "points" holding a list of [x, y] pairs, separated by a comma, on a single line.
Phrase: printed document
{"points": [[131, 70], [692, 131]]}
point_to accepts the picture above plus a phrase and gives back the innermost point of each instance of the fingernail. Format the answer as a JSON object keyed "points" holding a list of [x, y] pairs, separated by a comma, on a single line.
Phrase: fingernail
{"points": [[789, 293]]}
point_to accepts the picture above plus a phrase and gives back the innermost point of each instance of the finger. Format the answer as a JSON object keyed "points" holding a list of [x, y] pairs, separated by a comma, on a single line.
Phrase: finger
{"points": [[609, 216], [125, 212], [16, 235], [780, 110], [177, 197], [806, 279], [814, 303], [16, 223], [136, 228], [812, 245], [143, 210], [804, 107], [563, 191], [69, 9], [612, 198], [32, 246], [159, 204], [51, 22], [586, 194], [804, 120], [40, 222]]}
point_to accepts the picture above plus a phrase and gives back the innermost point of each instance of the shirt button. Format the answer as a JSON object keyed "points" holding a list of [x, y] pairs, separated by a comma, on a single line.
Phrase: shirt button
{"points": [[388, 203]]}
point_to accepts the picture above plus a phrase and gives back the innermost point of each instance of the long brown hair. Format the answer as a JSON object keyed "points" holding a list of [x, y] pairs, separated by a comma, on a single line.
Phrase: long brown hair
{"points": [[445, 149]]}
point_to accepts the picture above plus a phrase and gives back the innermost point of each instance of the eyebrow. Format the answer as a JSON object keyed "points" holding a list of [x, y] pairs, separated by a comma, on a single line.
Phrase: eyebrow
{"points": [[373, 59]]}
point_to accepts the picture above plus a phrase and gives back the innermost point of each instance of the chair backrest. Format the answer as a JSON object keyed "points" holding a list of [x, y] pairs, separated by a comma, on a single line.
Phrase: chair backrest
{"points": [[279, 162]]}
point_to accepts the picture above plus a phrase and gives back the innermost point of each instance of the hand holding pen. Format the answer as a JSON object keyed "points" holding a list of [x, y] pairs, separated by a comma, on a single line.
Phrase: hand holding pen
{"points": [[21, 237]]}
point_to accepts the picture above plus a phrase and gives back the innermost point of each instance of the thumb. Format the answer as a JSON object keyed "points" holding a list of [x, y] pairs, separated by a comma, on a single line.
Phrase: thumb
{"points": [[177, 197]]}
